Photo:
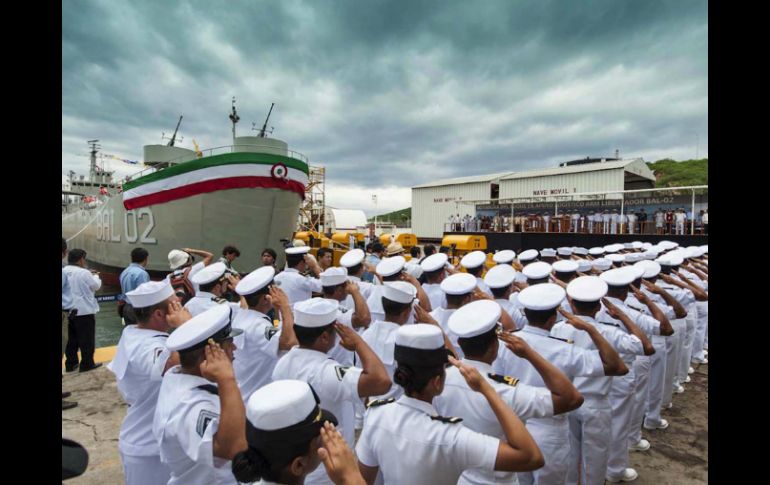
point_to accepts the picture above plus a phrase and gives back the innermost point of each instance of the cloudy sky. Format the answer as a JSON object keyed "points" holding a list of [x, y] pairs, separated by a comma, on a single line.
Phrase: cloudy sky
{"points": [[386, 94]]}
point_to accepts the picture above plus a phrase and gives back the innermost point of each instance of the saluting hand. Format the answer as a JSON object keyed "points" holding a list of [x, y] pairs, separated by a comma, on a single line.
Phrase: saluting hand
{"points": [[557, 281], [176, 314], [573, 320], [422, 316], [351, 287], [471, 374], [515, 344], [612, 310], [349, 339], [477, 295], [638, 294], [278, 298], [338, 458], [217, 366]]}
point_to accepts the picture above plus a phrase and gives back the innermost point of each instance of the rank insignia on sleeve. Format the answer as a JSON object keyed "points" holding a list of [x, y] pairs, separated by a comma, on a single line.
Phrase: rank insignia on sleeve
{"points": [[511, 381], [340, 371], [380, 402], [450, 420], [204, 418], [269, 332]]}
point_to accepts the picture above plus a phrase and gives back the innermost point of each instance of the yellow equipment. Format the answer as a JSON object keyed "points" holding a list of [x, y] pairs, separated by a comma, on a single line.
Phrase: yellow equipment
{"points": [[462, 244], [408, 241]]}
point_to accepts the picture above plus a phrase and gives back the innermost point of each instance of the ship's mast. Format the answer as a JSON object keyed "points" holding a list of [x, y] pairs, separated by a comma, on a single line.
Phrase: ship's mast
{"points": [[94, 150], [234, 118]]}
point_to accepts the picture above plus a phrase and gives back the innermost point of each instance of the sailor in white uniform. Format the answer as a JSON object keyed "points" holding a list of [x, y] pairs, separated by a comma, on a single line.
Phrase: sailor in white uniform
{"points": [[338, 386], [565, 270], [392, 269], [353, 261], [476, 325], [534, 274], [296, 286], [139, 364], [336, 286], [564, 253], [458, 289], [199, 418], [434, 272], [500, 281], [506, 256], [213, 282], [540, 303], [473, 263], [525, 257], [410, 444], [548, 255], [283, 425], [261, 343]]}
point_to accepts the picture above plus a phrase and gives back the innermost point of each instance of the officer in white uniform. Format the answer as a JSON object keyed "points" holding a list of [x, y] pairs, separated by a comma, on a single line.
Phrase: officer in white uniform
{"points": [[473, 263], [199, 416], [500, 281], [392, 269], [546, 222], [353, 262], [139, 364], [540, 302], [565, 270], [458, 289], [564, 253], [601, 264], [339, 387], [476, 325], [410, 444], [213, 283], [261, 343], [296, 286], [590, 425], [336, 286], [283, 421], [631, 222], [526, 257], [596, 252], [434, 271], [535, 273]]}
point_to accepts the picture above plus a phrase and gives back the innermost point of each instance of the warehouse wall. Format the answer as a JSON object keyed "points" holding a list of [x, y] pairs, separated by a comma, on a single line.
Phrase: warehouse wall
{"points": [[595, 181], [432, 206]]}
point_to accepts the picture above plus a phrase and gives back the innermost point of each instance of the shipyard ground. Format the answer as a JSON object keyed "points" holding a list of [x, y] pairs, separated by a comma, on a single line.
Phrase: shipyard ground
{"points": [[679, 455]]}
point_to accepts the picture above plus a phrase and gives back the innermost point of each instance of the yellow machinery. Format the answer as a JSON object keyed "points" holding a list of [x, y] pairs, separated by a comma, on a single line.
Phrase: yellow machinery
{"points": [[463, 244], [343, 238], [408, 241]]}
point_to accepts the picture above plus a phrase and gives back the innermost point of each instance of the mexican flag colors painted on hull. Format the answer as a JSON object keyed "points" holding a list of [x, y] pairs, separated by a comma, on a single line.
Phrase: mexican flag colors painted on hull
{"points": [[217, 172]]}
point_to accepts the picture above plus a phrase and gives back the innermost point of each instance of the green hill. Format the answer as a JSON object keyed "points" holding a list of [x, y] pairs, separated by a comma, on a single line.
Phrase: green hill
{"points": [[670, 173], [399, 217]]}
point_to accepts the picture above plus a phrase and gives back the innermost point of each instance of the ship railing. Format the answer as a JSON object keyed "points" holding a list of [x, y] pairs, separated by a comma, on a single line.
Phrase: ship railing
{"points": [[209, 152]]}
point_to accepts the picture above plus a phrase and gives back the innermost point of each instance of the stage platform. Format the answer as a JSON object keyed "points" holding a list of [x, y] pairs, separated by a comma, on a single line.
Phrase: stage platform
{"points": [[519, 241]]}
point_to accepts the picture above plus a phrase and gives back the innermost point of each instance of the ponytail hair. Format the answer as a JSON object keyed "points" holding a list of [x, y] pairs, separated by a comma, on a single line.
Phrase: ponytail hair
{"points": [[250, 466], [414, 378]]}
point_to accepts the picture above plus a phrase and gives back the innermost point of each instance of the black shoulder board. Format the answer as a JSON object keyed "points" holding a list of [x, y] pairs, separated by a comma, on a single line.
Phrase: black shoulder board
{"points": [[209, 388], [219, 300], [610, 323], [450, 420], [380, 402], [511, 381], [562, 339], [160, 335]]}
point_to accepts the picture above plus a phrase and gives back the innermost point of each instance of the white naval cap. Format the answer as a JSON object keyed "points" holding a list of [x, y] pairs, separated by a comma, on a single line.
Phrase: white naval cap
{"points": [[352, 258], [475, 318], [618, 277], [537, 270], [633, 257], [474, 259], [584, 265], [500, 276], [214, 323], [208, 274], [413, 268], [637, 271], [504, 257], [256, 280], [298, 250], [705, 248], [580, 251], [298, 243], [636, 244], [315, 312], [541, 297], [615, 258], [564, 251], [177, 258], [458, 284], [587, 288], [628, 245], [399, 291], [666, 245], [671, 260], [390, 266], [612, 248], [649, 255], [548, 253], [334, 276], [602, 264], [434, 262], [150, 293], [420, 344], [596, 251], [646, 245], [565, 266], [651, 268], [528, 255], [284, 403]]}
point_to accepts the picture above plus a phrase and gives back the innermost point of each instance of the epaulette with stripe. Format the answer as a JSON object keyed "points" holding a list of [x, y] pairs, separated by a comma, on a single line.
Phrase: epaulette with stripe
{"points": [[610, 323], [450, 420], [379, 402], [209, 388], [511, 381], [218, 300], [562, 339]]}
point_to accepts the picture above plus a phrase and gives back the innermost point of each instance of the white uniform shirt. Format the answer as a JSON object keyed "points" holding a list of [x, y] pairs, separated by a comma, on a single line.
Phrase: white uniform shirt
{"points": [[204, 300], [684, 296], [508, 307], [83, 285], [335, 384], [646, 323], [186, 420], [381, 337], [483, 286], [338, 352], [138, 367], [256, 351], [436, 296], [374, 302], [441, 315], [460, 400], [364, 286], [695, 279], [298, 287], [410, 448]]}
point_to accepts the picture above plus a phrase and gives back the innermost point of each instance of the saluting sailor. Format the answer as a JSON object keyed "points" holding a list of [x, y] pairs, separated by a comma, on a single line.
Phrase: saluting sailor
{"points": [[338, 386], [410, 444], [473, 263], [139, 364], [336, 286], [476, 325], [525, 258], [434, 272], [261, 343], [353, 262], [213, 282], [198, 422], [500, 281], [392, 269], [296, 286]]}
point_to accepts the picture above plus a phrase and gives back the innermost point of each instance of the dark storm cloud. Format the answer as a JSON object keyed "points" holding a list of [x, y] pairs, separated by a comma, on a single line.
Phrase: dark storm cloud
{"points": [[392, 93]]}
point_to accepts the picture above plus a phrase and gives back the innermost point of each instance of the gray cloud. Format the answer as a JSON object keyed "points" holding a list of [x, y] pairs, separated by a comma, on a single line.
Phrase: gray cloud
{"points": [[392, 94]]}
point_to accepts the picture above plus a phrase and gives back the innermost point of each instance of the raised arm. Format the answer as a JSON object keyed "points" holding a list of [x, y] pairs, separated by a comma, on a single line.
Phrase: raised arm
{"points": [[207, 256], [374, 377], [613, 364], [679, 310], [280, 302], [665, 326], [361, 316], [617, 314]]}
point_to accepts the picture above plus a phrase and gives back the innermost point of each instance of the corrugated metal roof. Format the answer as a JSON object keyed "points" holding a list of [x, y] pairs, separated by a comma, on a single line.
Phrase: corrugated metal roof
{"points": [[588, 167], [465, 180]]}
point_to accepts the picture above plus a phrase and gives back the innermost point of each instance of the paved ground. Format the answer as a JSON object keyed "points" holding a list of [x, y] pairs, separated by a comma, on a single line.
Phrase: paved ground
{"points": [[679, 455]]}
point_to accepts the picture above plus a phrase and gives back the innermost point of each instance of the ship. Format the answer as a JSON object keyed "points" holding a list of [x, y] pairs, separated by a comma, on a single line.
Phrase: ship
{"points": [[247, 194]]}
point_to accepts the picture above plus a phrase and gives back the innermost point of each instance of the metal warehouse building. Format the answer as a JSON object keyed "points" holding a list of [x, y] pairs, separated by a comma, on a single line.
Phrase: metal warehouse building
{"points": [[433, 203]]}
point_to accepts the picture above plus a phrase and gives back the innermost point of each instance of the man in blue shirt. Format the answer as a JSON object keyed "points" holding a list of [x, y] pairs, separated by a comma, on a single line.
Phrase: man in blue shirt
{"points": [[66, 308], [130, 279], [372, 260]]}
